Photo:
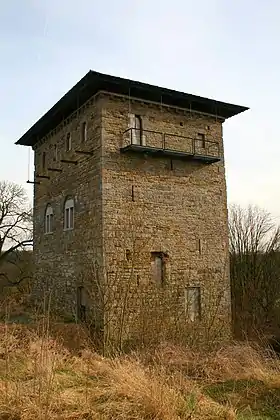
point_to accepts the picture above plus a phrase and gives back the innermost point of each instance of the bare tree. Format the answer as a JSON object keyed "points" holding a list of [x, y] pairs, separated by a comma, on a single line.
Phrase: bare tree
{"points": [[255, 269], [15, 230]]}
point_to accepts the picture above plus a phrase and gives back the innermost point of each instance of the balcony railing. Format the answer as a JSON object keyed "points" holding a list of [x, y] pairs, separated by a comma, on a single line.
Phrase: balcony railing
{"points": [[170, 145]]}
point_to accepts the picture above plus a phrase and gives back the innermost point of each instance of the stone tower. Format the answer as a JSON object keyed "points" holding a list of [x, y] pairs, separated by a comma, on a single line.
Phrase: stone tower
{"points": [[130, 207]]}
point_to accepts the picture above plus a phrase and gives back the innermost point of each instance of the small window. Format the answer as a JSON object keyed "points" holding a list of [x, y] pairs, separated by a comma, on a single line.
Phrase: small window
{"points": [[55, 153], [201, 140], [84, 132], [81, 304], [128, 254], [193, 303], [68, 142], [136, 130], [44, 160], [199, 246], [69, 214], [49, 219], [158, 265]]}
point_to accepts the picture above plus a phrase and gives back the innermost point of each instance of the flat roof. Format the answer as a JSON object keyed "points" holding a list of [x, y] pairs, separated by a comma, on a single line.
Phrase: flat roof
{"points": [[94, 82]]}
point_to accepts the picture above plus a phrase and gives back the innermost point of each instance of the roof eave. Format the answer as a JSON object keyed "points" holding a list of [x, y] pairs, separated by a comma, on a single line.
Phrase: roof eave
{"points": [[94, 82]]}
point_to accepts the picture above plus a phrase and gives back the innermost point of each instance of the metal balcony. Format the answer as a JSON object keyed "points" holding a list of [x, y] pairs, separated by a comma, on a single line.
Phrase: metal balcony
{"points": [[155, 143]]}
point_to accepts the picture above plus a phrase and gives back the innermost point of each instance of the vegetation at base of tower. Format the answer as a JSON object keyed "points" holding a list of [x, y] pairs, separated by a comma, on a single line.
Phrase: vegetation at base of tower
{"points": [[15, 235], [171, 367], [50, 371]]}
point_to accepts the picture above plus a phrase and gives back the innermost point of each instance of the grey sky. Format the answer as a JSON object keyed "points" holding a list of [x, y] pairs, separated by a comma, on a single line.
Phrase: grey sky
{"points": [[225, 49]]}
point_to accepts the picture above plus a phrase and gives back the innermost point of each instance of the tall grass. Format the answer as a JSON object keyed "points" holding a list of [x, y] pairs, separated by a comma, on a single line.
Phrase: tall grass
{"points": [[40, 378]]}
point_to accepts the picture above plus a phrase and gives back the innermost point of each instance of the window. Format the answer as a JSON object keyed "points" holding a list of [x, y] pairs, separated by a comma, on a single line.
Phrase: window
{"points": [[49, 219], [199, 246], [69, 214], [55, 153], [81, 303], [158, 264], [128, 254], [68, 142], [44, 160], [136, 130], [201, 140], [192, 303], [84, 132]]}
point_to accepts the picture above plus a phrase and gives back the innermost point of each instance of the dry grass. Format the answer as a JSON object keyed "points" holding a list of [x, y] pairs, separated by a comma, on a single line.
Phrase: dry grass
{"points": [[236, 361], [41, 379]]}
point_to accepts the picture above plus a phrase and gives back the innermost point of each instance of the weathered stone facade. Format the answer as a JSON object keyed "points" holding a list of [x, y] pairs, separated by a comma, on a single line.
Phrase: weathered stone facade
{"points": [[181, 212], [130, 208], [60, 257]]}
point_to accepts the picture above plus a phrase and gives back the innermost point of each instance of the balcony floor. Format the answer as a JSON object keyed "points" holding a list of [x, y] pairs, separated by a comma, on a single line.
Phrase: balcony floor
{"points": [[174, 154]]}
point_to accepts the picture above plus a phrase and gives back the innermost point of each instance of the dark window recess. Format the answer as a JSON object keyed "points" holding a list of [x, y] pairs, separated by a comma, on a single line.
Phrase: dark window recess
{"points": [[158, 266], [132, 193], [84, 132], [199, 247], [138, 280], [55, 154], [128, 254], [201, 140], [69, 214], [44, 160], [181, 124], [68, 142], [49, 219], [171, 164], [81, 304]]}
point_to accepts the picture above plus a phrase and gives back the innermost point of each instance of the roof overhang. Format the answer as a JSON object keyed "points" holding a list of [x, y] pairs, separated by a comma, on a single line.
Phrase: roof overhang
{"points": [[93, 82]]}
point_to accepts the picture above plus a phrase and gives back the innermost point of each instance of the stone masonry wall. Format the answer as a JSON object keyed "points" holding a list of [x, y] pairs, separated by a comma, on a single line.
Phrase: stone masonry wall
{"points": [[127, 206], [153, 205], [64, 260]]}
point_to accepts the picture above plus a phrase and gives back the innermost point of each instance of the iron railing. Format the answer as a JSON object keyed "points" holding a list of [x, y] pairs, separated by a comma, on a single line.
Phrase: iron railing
{"points": [[157, 140]]}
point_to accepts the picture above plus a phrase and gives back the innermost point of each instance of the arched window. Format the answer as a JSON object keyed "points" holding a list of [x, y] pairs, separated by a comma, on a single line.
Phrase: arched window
{"points": [[135, 131], [69, 214], [138, 130], [84, 132], [49, 219]]}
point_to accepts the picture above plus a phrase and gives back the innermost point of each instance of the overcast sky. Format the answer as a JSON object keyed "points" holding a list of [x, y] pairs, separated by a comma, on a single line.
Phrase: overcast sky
{"points": [[223, 49]]}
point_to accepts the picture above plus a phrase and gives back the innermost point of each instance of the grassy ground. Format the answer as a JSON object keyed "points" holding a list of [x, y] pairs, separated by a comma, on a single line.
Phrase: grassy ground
{"points": [[48, 378]]}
